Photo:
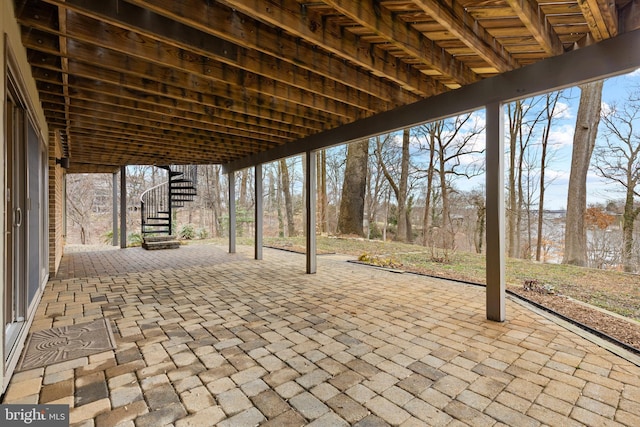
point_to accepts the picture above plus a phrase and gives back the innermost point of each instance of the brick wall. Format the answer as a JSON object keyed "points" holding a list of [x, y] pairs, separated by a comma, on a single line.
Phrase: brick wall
{"points": [[56, 204]]}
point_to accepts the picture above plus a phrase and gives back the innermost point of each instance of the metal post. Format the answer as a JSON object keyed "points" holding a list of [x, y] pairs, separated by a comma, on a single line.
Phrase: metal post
{"points": [[311, 190], [64, 205], [495, 213], [115, 210], [169, 200], [123, 207], [232, 212], [259, 211]]}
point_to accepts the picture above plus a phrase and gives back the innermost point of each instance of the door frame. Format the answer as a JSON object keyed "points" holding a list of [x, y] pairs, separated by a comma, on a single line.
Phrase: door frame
{"points": [[32, 144]]}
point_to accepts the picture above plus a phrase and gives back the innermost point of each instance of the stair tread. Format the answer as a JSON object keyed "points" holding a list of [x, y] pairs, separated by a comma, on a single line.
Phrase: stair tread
{"points": [[151, 239], [173, 244], [182, 185]]}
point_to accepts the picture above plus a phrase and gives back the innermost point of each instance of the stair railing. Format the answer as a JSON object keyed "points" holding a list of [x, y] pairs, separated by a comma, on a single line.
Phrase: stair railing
{"points": [[158, 202], [187, 173], [156, 209]]}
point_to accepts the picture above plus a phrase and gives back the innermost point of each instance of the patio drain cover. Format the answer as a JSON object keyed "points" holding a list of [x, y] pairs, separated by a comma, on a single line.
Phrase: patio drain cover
{"points": [[57, 345]]}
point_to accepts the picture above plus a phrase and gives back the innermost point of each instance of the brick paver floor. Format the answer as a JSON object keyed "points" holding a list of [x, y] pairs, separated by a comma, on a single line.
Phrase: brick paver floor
{"points": [[208, 338]]}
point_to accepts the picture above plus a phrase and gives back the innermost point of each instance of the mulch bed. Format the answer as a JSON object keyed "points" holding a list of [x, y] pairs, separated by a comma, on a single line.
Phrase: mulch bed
{"points": [[626, 331]]}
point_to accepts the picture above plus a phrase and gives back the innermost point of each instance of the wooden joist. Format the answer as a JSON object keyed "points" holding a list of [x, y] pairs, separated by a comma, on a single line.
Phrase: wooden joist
{"points": [[161, 81]]}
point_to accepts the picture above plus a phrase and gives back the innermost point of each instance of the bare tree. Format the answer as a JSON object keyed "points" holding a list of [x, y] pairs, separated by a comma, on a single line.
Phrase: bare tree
{"points": [[455, 150], [584, 138], [479, 202], [618, 160], [211, 191], [321, 170], [244, 184], [80, 199], [428, 133], [523, 119], [336, 160], [351, 216], [551, 102], [398, 180], [288, 199], [377, 187], [602, 246]]}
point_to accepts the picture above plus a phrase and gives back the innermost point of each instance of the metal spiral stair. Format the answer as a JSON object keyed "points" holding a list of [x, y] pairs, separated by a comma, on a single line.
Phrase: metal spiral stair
{"points": [[158, 204]]}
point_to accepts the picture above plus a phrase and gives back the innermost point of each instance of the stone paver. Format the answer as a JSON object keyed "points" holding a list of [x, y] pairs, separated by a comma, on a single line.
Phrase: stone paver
{"points": [[208, 338]]}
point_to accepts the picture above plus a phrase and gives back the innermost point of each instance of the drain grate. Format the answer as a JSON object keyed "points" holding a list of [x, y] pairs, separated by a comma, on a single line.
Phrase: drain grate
{"points": [[57, 345]]}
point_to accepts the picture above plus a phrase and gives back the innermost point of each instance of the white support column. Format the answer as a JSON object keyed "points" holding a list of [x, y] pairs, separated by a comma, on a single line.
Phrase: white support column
{"points": [[495, 261], [232, 212], [311, 191], [115, 210], [123, 207], [259, 212]]}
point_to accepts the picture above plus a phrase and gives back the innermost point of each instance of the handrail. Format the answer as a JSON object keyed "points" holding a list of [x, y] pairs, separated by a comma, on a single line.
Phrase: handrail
{"points": [[157, 203], [151, 189]]}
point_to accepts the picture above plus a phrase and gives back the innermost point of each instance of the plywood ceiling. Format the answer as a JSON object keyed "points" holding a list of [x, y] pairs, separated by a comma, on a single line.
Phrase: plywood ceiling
{"points": [[205, 81]]}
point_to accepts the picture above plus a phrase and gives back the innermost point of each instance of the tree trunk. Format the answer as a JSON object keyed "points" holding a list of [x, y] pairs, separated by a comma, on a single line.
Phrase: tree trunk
{"points": [[550, 107], [288, 202], [213, 191], [426, 221], [404, 225], [351, 215], [321, 160], [244, 178], [407, 215], [515, 121], [518, 210], [575, 242], [447, 234], [478, 201], [628, 219], [279, 206]]}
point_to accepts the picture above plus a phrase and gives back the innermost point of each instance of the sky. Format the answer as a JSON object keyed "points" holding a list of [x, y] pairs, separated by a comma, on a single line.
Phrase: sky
{"points": [[561, 138], [598, 189]]}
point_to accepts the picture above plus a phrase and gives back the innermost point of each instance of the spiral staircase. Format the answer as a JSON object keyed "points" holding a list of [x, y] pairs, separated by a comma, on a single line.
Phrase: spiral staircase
{"points": [[159, 203]]}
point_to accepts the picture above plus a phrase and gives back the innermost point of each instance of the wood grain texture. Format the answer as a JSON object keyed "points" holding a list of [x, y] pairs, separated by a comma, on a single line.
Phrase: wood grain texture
{"points": [[142, 81]]}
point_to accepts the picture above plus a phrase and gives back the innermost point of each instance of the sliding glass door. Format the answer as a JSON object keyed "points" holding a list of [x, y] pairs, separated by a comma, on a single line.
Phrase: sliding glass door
{"points": [[15, 222], [25, 263]]}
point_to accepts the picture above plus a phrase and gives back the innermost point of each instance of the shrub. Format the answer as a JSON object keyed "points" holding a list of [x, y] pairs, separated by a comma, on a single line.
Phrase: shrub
{"points": [[187, 232], [134, 239], [107, 238], [202, 233]]}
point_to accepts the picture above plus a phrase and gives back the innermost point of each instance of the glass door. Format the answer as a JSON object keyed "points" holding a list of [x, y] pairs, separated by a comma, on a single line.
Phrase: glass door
{"points": [[15, 223]]}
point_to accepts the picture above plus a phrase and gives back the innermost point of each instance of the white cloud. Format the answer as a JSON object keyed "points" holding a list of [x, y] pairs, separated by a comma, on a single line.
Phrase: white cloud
{"points": [[562, 134], [606, 108], [563, 111], [557, 176]]}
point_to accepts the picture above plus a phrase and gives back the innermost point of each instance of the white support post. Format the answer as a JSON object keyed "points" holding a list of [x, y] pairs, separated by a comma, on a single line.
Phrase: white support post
{"points": [[232, 212], [311, 191], [115, 210], [495, 261], [123, 207], [259, 212]]}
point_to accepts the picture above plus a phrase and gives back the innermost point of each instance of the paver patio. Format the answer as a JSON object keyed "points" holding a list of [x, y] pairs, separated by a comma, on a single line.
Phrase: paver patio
{"points": [[209, 338]]}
